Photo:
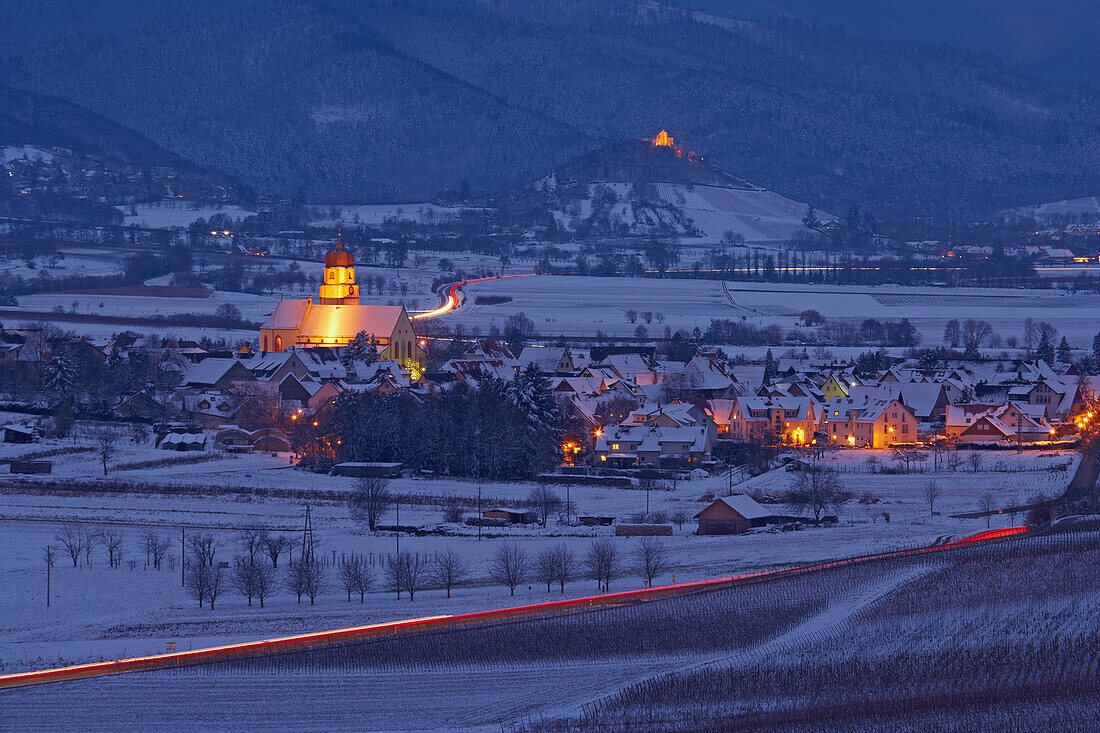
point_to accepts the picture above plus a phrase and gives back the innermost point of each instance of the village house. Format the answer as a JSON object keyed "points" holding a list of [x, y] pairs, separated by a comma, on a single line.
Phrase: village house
{"points": [[791, 420], [984, 423], [871, 423], [626, 446]]}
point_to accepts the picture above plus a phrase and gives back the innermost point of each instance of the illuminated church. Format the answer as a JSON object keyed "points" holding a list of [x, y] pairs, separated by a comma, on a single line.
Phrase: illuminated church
{"points": [[337, 317]]}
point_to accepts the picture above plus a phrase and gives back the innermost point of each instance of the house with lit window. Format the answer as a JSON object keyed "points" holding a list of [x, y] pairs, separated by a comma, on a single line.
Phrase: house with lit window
{"points": [[870, 423], [338, 317], [984, 423], [791, 420], [626, 446]]}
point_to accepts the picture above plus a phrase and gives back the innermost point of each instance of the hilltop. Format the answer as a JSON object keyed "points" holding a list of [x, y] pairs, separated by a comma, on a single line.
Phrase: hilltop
{"points": [[641, 187]]}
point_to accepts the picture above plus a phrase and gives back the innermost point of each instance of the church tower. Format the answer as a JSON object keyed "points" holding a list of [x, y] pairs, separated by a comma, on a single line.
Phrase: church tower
{"points": [[339, 287]]}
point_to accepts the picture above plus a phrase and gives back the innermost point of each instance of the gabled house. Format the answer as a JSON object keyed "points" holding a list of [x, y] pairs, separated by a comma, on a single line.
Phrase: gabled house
{"points": [[624, 446], [872, 423], [732, 515], [792, 420]]}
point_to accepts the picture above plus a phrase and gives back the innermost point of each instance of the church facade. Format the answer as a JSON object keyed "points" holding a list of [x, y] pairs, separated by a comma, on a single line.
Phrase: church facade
{"points": [[337, 317]]}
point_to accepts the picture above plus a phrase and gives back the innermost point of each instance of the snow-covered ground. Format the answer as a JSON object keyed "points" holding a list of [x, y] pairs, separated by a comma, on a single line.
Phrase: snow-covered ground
{"points": [[584, 305], [1084, 210], [98, 611], [170, 213]]}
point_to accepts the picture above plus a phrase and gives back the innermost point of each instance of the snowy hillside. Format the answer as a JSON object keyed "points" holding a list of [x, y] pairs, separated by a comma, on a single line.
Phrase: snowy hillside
{"points": [[1084, 210], [641, 187]]}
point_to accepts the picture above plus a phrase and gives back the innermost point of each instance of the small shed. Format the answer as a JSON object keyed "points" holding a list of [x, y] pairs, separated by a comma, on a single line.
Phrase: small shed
{"points": [[16, 434], [31, 466], [367, 470], [643, 530], [732, 515], [511, 516]]}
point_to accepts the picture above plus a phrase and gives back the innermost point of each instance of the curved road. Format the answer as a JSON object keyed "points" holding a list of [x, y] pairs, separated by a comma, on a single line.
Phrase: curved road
{"points": [[452, 300]]}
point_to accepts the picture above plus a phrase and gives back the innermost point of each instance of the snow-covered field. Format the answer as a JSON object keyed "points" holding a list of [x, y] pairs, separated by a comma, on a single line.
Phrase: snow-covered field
{"points": [[98, 611], [169, 214], [584, 305], [1083, 210], [65, 262]]}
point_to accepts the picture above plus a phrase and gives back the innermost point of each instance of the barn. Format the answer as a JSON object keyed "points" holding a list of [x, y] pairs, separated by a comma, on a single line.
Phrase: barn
{"points": [[732, 515]]}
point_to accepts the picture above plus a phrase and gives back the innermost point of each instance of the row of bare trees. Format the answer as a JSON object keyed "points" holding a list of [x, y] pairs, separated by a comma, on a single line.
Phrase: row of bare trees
{"points": [[408, 573], [603, 562], [77, 541]]}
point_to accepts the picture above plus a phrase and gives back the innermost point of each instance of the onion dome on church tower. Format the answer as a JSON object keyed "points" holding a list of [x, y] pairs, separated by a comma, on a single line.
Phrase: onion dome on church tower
{"points": [[338, 256]]}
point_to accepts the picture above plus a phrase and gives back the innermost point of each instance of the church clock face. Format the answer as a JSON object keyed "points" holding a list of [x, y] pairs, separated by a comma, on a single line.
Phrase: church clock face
{"points": [[351, 290]]}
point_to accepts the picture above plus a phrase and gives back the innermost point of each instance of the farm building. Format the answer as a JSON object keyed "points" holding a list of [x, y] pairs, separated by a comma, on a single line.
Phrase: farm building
{"points": [[511, 516], [732, 515]]}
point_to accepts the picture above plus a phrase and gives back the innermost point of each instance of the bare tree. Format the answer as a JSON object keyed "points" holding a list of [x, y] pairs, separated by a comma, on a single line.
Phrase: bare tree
{"points": [[545, 500], [975, 460], [203, 548], [816, 489], [449, 569], [72, 538], [244, 577], [217, 584], [509, 567], [395, 573], [275, 545], [565, 565], [987, 504], [414, 573], [907, 456], [105, 439], [679, 516], [954, 460], [112, 540], [601, 563], [305, 578], [251, 543], [263, 581], [651, 558], [932, 492], [198, 582], [369, 500], [160, 550], [90, 541], [546, 567], [349, 575]]}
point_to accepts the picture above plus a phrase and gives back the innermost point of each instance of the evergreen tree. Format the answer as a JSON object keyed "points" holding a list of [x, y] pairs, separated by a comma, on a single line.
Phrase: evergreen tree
{"points": [[810, 220], [530, 393], [361, 348], [1064, 352], [1045, 350], [771, 368], [1096, 351]]}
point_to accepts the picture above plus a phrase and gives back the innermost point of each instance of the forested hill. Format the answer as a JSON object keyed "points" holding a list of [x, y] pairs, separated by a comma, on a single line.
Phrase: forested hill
{"points": [[401, 99], [1054, 39], [29, 118]]}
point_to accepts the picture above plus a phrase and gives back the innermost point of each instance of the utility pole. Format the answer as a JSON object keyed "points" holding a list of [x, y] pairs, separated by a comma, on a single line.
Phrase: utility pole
{"points": [[567, 505], [397, 534], [307, 539], [183, 553], [479, 512], [647, 500], [1019, 443], [49, 564]]}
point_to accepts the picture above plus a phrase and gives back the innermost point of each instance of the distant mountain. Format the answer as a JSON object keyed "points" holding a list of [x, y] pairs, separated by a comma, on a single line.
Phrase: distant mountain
{"points": [[391, 100], [643, 187], [1054, 39], [53, 152]]}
